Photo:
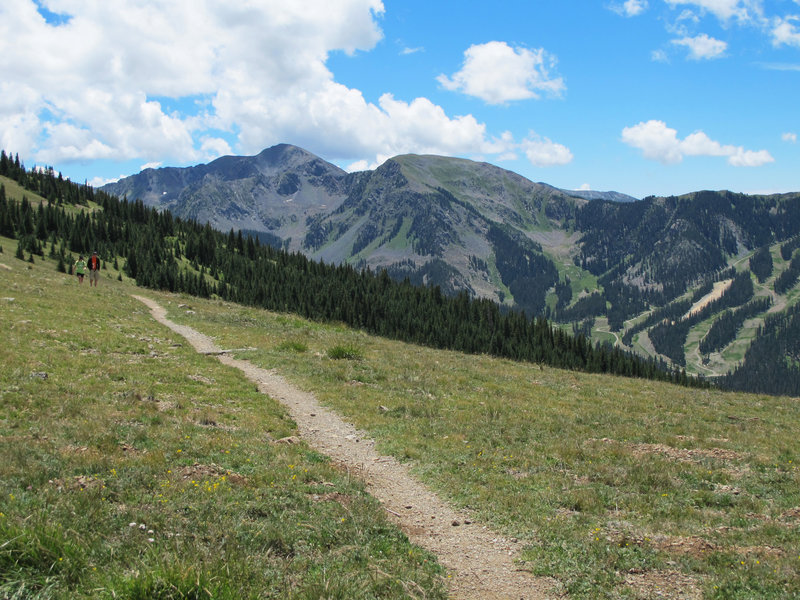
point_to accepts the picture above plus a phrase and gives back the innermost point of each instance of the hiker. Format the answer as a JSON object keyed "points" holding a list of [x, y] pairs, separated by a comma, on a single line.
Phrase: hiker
{"points": [[80, 268], [94, 269]]}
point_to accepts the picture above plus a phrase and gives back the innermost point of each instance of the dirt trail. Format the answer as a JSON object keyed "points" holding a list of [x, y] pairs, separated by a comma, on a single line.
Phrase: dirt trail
{"points": [[480, 561]]}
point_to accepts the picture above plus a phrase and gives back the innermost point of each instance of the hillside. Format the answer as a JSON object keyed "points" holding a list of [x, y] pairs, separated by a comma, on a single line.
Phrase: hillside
{"points": [[611, 486], [133, 465], [442, 221], [605, 269], [161, 252]]}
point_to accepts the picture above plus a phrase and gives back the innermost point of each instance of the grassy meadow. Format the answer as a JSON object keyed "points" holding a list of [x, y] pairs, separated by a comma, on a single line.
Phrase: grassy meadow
{"points": [[618, 487], [132, 467]]}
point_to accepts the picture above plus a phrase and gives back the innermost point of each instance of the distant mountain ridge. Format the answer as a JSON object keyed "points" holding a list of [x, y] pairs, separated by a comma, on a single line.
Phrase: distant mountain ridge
{"points": [[595, 195], [603, 262], [273, 191], [425, 217]]}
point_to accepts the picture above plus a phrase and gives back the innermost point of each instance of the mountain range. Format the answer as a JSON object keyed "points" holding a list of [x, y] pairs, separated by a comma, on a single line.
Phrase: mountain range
{"points": [[601, 261]]}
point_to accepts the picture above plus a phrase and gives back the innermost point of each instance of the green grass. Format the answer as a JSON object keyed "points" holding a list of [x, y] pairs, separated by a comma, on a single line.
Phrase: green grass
{"points": [[599, 476], [14, 190], [132, 467]]}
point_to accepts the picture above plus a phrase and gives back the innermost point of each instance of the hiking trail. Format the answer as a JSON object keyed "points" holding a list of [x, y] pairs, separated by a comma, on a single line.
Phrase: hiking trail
{"points": [[480, 562]]}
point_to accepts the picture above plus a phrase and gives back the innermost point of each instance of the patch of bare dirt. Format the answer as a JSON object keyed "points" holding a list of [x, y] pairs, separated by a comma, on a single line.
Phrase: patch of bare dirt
{"points": [[652, 585], [482, 563], [678, 454], [791, 514], [692, 545], [77, 483], [720, 287], [197, 472]]}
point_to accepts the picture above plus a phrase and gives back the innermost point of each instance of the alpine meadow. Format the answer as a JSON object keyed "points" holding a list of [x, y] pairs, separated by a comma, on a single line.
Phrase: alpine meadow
{"points": [[132, 466]]}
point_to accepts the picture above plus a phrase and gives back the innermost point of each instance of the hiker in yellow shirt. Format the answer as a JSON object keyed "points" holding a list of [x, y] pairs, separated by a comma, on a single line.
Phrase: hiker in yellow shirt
{"points": [[80, 268]]}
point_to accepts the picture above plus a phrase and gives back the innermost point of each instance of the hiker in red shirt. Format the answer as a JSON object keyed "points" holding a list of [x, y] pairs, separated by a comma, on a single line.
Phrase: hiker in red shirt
{"points": [[94, 269]]}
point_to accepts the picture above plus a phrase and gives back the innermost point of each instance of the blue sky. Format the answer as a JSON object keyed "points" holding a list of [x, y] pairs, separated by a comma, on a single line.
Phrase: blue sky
{"points": [[645, 97]]}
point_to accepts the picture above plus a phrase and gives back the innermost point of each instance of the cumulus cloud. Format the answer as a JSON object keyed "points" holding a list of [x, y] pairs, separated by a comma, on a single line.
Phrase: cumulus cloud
{"points": [[702, 46], [785, 31], [725, 10], [661, 143], [91, 82], [789, 137], [497, 73], [113, 80], [542, 152], [629, 8]]}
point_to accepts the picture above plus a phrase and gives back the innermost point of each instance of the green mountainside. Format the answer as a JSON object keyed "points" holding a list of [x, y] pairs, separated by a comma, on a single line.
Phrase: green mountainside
{"points": [[441, 221], [162, 252], [613, 271]]}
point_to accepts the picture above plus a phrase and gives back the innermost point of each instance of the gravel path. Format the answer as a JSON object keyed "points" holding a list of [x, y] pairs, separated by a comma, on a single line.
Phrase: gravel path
{"points": [[481, 562]]}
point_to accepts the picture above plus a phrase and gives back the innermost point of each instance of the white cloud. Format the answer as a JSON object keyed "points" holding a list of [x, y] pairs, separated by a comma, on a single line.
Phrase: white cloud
{"points": [[214, 146], [542, 152], [585, 187], [497, 73], [659, 56], [785, 31], [359, 165], [97, 182], [630, 8], [725, 10], [661, 143], [750, 158], [181, 81], [789, 137], [702, 46]]}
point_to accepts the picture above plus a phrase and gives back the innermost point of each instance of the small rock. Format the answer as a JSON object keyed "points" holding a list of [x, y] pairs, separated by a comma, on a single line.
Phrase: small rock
{"points": [[292, 439], [39, 375], [455, 523], [383, 408]]}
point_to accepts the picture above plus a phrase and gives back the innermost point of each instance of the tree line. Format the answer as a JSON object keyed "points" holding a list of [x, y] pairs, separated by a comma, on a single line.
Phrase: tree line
{"points": [[163, 252]]}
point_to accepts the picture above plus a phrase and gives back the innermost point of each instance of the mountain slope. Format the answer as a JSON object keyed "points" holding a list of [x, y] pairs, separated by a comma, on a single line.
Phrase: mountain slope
{"points": [[604, 268], [443, 221], [450, 222], [274, 191]]}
